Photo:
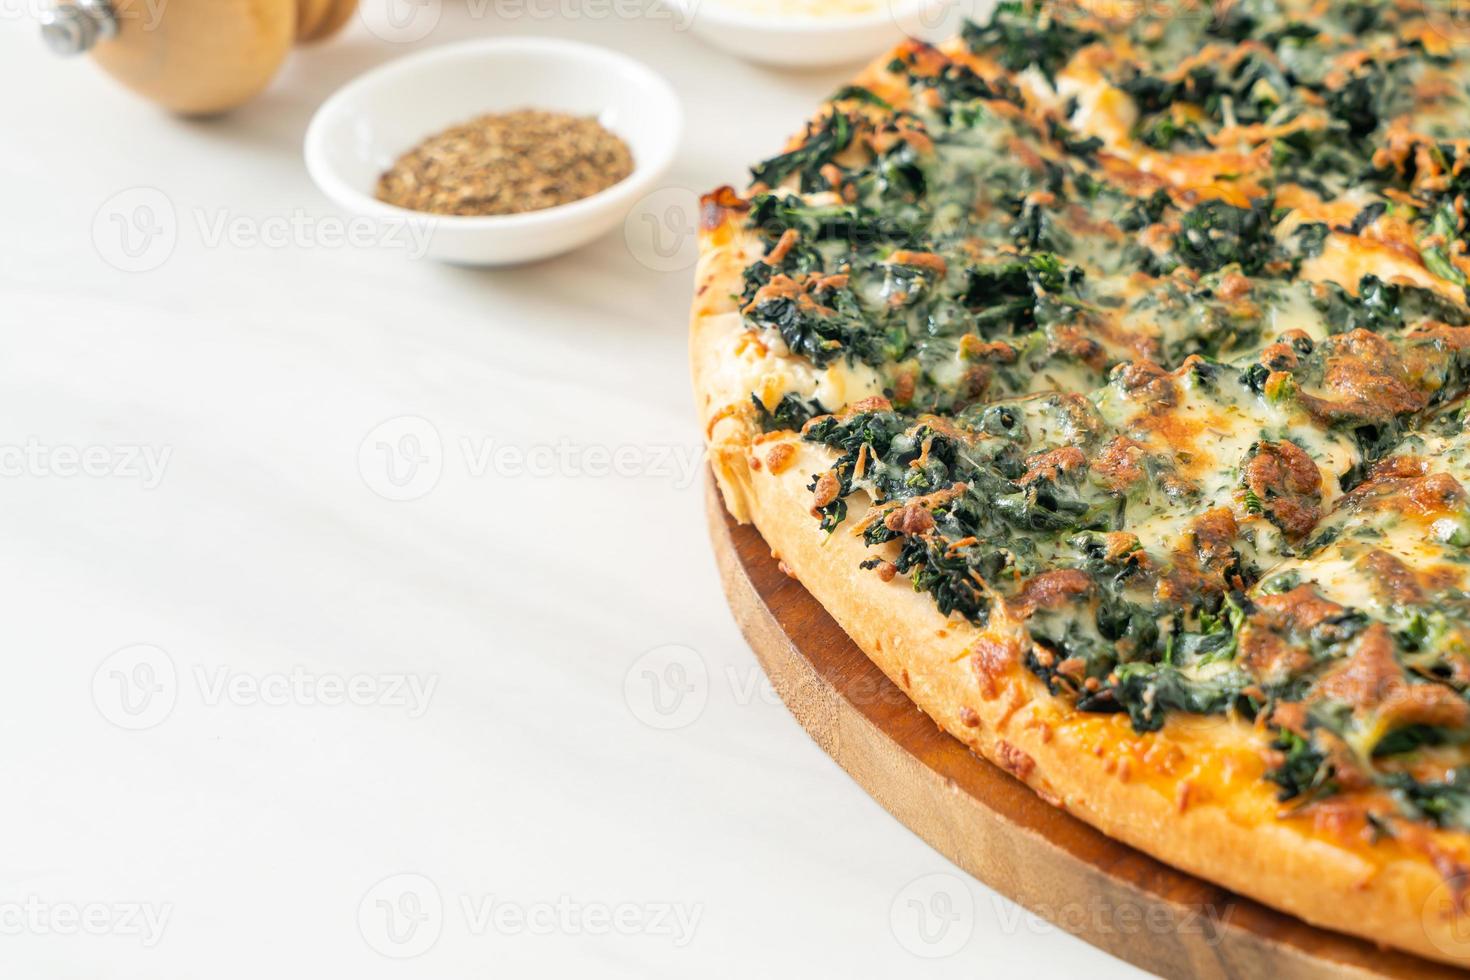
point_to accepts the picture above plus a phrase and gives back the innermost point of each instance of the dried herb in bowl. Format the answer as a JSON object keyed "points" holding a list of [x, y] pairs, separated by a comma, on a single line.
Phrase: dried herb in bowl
{"points": [[507, 163]]}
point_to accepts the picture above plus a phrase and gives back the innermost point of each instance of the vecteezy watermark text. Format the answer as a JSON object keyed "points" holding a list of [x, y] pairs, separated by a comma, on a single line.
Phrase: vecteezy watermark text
{"points": [[567, 916], [123, 461], [147, 13], [298, 686], [35, 916], [408, 21], [574, 460], [669, 687], [405, 457], [403, 916], [934, 916], [138, 687], [138, 229]]}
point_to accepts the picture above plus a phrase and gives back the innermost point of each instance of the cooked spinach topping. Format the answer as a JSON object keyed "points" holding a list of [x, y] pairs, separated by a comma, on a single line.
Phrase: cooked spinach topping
{"points": [[1303, 772], [1215, 234], [1444, 803], [1383, 307], [790, 412], [823, 141], [1023, 35], [1139, 407]]}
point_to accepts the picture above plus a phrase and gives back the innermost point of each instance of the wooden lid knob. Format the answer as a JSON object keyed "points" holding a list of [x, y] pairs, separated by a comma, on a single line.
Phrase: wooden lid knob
{"points": [[195, 57]]}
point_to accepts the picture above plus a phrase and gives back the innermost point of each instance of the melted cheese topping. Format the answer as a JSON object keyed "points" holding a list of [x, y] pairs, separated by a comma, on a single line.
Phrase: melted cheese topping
{"points": [[1149, 338]]}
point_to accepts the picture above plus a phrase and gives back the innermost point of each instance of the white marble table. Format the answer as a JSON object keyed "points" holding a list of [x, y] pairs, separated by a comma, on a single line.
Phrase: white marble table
{"points": [[259, 717]]}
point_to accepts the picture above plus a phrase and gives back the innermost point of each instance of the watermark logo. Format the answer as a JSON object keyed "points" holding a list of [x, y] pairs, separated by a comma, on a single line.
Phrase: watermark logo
{"points": [[1096, 917], [934, 20], [147, 13], [933, 916], [402, 459], [136, 687], [565, 459], [662, 230], [300, 687], [1446, 916], [404, 915], [401, 916], [668, 687], [409, 21], [1182, 15], [1449, 19], [34, 916], [302, 229], [679, 14], [136, 230], [568, 916], [405, 457], [40, 460], [401, 21]]}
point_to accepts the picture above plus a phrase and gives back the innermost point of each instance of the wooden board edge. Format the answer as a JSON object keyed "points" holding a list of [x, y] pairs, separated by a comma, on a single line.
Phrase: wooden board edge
{"points": [[993, 826]]}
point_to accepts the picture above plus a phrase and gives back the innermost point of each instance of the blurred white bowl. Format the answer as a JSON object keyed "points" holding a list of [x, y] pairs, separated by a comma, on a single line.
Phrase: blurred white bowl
{"points": [[362, 129], [798, 40]]}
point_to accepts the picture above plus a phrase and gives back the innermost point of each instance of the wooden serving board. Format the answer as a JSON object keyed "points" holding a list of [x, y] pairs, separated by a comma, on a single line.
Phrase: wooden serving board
{"points": [[992, 825]]}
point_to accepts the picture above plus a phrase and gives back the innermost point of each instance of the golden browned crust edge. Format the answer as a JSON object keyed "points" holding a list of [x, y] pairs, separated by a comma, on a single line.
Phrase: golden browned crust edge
{"points": [[1232, 839], [1389, 895], [723, 413]]}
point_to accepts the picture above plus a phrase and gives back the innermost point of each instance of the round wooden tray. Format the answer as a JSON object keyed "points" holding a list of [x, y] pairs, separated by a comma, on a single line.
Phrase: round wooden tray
{"points": [[992, 825]]}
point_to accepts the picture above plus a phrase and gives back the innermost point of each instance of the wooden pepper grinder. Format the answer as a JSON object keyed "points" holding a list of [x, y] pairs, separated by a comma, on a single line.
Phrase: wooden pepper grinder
{"points": [[196, 57]]}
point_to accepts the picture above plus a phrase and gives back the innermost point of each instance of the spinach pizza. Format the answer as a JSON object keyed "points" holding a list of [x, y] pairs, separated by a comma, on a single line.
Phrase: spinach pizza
{"points": [[1103, 371]]}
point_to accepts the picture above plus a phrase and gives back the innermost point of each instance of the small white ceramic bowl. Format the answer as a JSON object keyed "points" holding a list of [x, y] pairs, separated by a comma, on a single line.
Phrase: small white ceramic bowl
{"points": [[362, 129], [807, 40]]}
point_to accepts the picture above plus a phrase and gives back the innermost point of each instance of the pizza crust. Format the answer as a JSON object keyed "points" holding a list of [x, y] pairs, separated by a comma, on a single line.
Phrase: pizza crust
{"points": [[1191, 795]]}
